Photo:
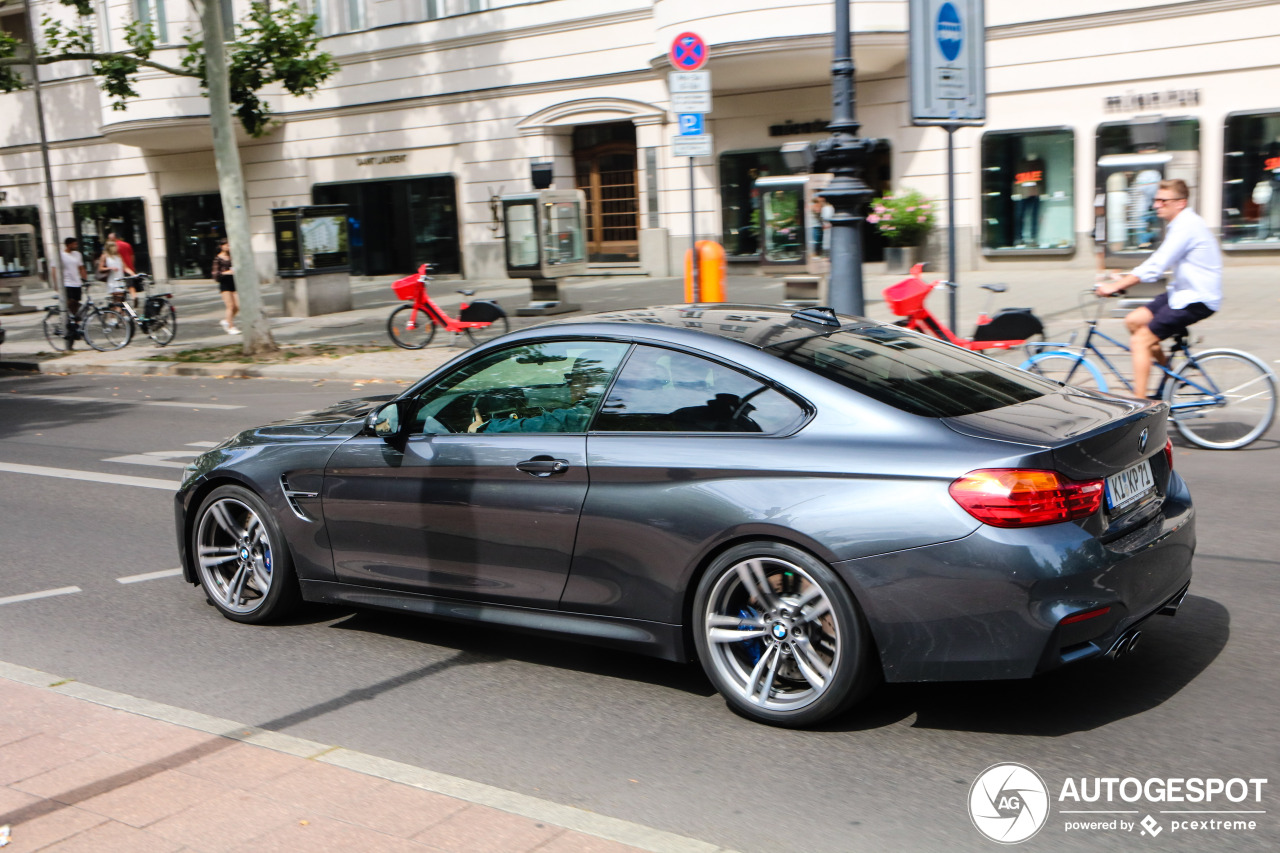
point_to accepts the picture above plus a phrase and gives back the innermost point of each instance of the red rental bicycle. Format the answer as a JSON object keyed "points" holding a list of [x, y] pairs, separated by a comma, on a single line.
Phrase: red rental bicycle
{"points": [[1011, 327], [413, 326]]}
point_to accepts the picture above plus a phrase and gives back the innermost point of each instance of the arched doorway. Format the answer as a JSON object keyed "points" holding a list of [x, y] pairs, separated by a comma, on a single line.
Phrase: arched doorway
{"points": [[604, 159]]}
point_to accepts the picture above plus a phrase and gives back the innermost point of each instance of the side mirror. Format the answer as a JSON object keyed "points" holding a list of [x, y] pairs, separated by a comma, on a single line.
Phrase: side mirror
{"points": [[384, 421]]}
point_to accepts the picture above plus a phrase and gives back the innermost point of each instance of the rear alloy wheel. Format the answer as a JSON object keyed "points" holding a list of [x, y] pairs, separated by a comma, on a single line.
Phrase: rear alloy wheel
{"points": [[780, 635], [241, 558]]}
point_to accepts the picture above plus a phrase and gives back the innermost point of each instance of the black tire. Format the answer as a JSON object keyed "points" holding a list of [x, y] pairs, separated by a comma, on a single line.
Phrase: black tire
{"points": [[106, 329], [1238, 414], [55, 330], [163, 327], [806, 654], [424, 328], [483, 334], [241, 558]]}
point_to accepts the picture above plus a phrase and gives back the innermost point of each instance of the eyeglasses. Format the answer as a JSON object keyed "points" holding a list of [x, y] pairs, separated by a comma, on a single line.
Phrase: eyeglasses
{"points": [[1167, 200]]}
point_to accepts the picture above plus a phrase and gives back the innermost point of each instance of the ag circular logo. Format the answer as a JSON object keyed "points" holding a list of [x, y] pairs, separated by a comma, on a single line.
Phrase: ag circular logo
{"points": [[950, 31], [1008, 803]]}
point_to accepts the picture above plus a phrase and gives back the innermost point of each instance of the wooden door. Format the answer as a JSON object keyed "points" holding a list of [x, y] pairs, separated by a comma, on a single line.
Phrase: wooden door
{"points": [[606, 173]]}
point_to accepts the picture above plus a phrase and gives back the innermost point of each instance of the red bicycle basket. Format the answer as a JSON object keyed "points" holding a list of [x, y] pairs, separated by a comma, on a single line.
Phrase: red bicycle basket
{"points": [[907, 296], [408, 287]]}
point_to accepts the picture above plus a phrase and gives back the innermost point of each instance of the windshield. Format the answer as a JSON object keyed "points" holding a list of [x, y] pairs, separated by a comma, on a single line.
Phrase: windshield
{"points": [[913, 372]]}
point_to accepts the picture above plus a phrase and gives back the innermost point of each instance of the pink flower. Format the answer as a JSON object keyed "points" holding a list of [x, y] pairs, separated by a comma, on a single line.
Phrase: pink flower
{"points": [[921, 218], [909, 209], [873, 219]]}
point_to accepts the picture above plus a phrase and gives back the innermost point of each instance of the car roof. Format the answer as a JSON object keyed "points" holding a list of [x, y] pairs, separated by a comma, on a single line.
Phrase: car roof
{"points": [[756, 325]]}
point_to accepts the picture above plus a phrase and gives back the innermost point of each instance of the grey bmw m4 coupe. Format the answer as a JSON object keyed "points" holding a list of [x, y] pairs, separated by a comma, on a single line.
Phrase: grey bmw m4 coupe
{"points": [[804, 503]]}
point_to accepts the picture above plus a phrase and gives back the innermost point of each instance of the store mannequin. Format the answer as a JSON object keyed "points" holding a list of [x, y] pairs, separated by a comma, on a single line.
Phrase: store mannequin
{"points": [[1266, 194], [1028, 186]]}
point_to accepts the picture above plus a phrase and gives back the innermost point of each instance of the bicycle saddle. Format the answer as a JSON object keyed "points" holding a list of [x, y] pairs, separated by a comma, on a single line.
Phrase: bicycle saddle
{"points": [[996, 288]]}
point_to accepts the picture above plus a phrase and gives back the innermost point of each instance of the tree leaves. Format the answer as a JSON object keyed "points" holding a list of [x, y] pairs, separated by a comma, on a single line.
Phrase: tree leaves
{"points": [[276, 45]]}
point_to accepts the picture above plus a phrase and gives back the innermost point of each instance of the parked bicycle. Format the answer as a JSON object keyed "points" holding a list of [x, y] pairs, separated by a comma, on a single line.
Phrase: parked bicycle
{"points": [[1011, 327], [413, 326], [1219, 399], [102, 328], [159, 319]]}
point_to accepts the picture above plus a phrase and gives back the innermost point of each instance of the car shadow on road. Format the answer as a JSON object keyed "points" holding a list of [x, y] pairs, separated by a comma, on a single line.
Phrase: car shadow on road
{"points": [[1171, 654], [499, 644]]}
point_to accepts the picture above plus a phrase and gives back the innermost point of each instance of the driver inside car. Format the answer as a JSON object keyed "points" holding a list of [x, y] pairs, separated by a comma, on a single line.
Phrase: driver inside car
{"points": [[586, 381]]}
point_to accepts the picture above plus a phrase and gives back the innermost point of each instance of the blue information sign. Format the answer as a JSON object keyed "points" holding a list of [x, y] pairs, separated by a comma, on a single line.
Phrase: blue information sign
{"points": [[691, 124], [950, 32]]}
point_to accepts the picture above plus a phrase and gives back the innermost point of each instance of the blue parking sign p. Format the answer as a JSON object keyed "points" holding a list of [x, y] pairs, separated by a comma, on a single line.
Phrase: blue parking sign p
{"points": [[691, 124]]}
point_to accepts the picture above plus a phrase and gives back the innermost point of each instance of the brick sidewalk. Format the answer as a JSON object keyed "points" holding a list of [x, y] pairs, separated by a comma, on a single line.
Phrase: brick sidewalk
{"points": [[80, 776]]}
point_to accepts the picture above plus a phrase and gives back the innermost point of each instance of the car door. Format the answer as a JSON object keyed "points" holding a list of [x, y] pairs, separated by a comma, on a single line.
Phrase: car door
{"points": [[683, 449], [453, 509]]}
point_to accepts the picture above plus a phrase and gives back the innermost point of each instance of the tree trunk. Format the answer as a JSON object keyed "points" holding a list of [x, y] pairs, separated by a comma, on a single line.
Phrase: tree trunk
{"points": [[253, 323]]}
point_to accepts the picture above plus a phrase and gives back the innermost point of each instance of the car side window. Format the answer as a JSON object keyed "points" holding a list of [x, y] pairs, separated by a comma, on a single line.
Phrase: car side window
{"points": [[549, 386], [662, 390]]}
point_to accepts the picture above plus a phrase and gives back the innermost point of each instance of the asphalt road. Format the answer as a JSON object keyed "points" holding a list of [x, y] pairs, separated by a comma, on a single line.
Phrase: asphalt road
{"points": [[623, 735]]}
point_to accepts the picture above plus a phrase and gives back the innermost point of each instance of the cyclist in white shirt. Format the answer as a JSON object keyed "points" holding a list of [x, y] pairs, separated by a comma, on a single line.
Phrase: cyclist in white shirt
{"points": [[73, 273], [1194, 291]]}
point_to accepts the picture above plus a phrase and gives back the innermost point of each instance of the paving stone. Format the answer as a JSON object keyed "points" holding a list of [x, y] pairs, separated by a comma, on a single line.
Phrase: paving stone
{"points": [[479, 829]]}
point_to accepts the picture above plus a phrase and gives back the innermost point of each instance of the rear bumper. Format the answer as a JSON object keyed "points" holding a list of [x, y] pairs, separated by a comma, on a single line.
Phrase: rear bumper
{"points": [[990, 606]]}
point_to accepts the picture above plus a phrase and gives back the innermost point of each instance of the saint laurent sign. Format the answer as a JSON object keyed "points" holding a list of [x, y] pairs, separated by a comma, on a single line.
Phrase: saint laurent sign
{"points": [[796, 128], [380, 159], [1134, 101]]}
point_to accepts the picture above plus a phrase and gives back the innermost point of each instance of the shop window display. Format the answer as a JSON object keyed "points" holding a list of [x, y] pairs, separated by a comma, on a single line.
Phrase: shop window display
{"points": [[1251, 180], [1133, 157], [1028, 178]]}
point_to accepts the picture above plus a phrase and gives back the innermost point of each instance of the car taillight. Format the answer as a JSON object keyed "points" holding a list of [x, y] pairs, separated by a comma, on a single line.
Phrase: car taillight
{"points": [[1168, 452], [1023, 497]]}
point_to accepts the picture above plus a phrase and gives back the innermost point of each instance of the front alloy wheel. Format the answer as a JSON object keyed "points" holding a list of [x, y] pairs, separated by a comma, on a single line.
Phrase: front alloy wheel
{"points": [[243, 564], [780, 635]]}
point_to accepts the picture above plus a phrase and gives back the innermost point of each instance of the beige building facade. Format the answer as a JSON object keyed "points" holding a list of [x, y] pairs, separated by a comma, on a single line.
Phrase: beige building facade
{"points": [[441, 106]]}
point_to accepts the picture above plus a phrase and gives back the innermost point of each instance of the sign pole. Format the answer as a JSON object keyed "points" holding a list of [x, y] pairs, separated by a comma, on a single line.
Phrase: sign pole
{"points": [[693, 238], [952, 284], [691, 98]]}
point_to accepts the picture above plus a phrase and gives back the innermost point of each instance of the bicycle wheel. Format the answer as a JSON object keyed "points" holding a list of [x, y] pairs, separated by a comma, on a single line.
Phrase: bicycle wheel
{"points": [[55, 330], [107, 329], [483, 334], [1221, 399], [410, 327], [163, 326], [1069, 368]]}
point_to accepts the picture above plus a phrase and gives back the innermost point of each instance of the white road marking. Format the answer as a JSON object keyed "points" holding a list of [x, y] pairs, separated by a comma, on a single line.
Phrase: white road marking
{"points": [[150, 576], [160, 458], [48, 593], [203, 443], [127, 401], [90, 476]]}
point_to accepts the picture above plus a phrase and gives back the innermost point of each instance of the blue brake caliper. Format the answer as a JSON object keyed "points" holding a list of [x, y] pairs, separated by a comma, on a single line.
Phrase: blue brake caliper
{"points": [[754, 646]]}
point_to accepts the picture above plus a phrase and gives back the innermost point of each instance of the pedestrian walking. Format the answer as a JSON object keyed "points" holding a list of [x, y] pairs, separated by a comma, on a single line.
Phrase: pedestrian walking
{"points": [[224, 275], [73, 273]]}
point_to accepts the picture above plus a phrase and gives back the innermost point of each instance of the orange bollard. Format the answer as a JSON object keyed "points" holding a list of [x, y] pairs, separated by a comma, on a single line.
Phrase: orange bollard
{"points": [[711, 270]]}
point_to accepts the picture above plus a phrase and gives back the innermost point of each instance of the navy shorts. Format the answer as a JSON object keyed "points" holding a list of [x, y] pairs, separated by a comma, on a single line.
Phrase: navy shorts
{"points": [[1167, 322]]}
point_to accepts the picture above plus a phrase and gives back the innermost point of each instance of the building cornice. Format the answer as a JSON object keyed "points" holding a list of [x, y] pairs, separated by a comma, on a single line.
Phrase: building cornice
{"points": [[1119, 17], [493, 37], [471, 95]]}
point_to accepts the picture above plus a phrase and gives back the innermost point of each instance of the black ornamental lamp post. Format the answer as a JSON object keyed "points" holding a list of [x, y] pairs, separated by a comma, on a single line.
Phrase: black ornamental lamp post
{"points": [[842, 155]]}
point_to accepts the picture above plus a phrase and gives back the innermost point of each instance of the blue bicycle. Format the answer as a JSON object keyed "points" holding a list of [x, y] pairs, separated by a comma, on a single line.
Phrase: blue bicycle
{"points": [[1219, 399]]}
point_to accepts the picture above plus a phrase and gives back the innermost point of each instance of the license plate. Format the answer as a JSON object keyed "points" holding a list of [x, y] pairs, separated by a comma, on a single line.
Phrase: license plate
{"points": [[1129, 485]]}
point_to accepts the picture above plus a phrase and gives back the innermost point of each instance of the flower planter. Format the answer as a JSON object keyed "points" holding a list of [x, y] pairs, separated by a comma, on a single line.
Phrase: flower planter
{"points": [[898, 260]]}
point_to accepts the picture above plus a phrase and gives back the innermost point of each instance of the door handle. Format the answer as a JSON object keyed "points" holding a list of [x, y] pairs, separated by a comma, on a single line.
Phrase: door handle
{"points": [[543, 466]]}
